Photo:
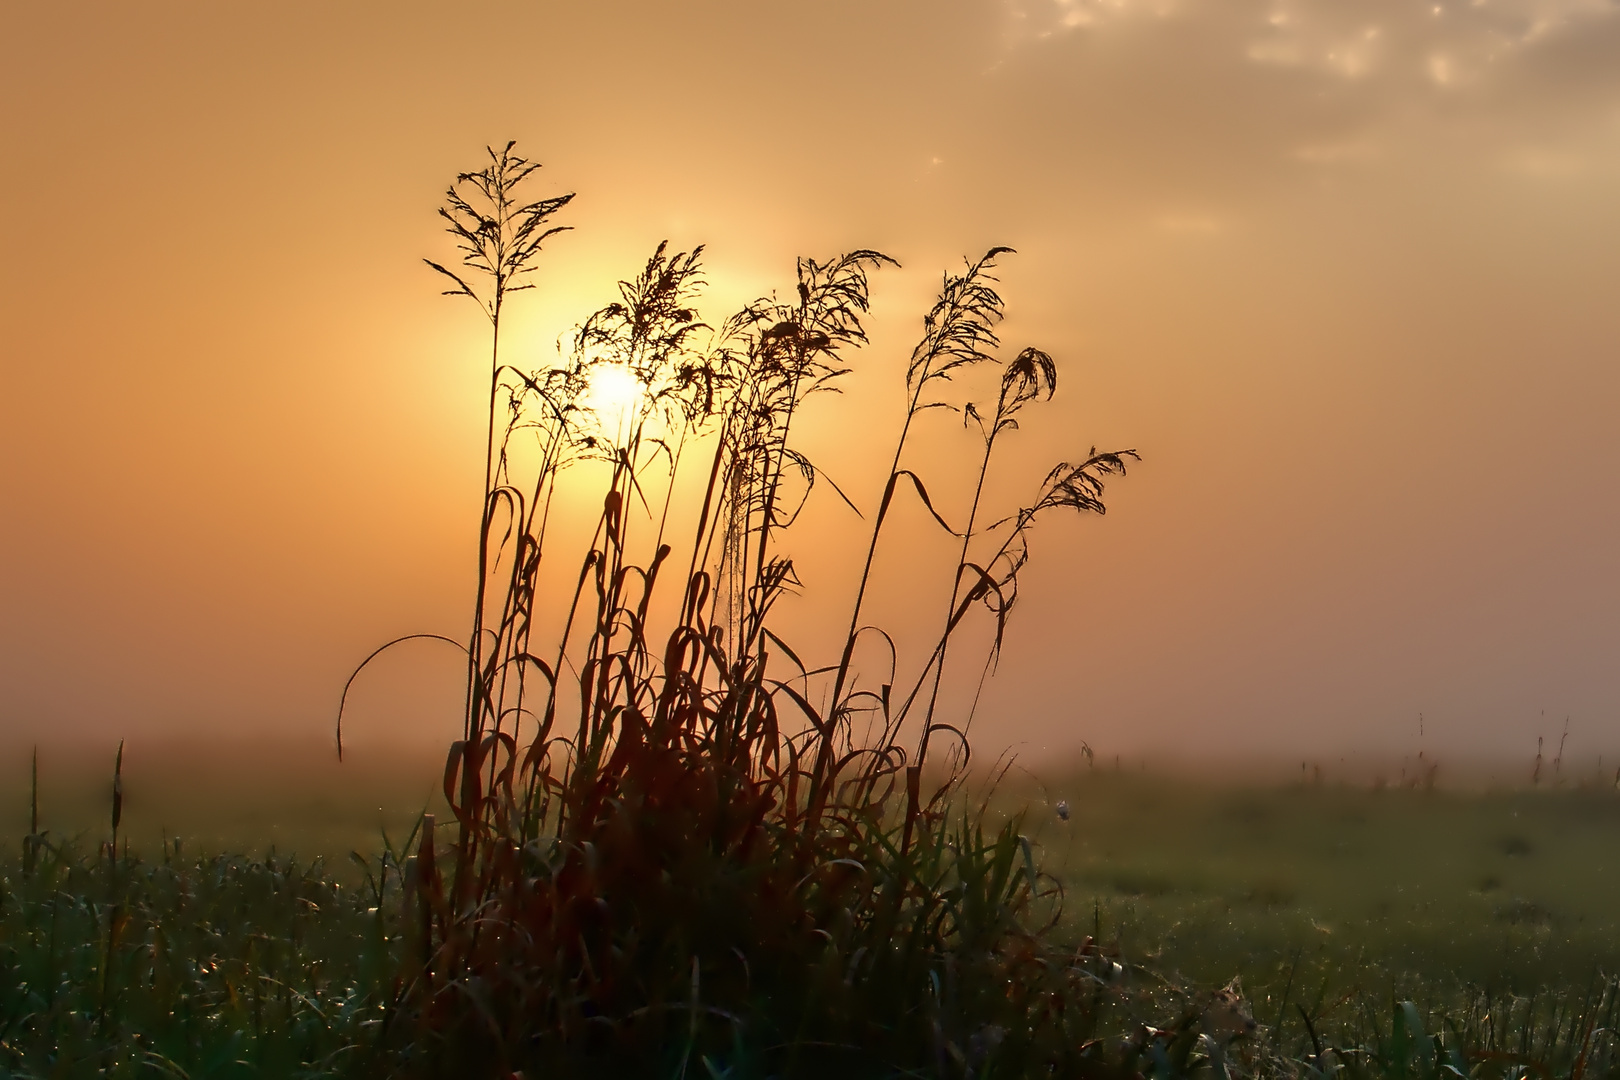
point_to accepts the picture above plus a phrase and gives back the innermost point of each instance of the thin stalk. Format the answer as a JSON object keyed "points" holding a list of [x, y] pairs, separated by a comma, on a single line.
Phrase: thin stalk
{"points": [[824, 750], [956, 588], [474, 645], [773, 471], [956, 333]]}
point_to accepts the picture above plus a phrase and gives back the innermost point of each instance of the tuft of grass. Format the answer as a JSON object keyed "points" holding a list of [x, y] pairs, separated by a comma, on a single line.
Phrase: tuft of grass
{"points": [[678, 846]]}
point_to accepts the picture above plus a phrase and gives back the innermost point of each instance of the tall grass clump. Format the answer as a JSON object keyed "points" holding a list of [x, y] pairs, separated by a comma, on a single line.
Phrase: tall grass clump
{"points": [[679, 847]]}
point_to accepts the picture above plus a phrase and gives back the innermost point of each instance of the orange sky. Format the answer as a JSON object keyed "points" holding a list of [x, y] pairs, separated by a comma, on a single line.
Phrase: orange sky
{"points": [[1344, 273]]}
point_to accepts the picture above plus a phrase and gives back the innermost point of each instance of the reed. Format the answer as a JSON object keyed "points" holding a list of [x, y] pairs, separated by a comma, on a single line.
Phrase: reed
{"points": [[674, 844]]}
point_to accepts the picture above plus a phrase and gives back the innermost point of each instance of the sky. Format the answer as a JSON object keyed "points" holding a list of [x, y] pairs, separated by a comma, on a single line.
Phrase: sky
{"points": [[1342, 273]]}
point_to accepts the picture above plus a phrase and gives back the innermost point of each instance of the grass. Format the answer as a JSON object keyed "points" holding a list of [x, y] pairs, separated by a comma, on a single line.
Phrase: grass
{"points": [[202, 966], [254, 798], [670, 844], [1191, 883], [675, 843], [1367, 887]]}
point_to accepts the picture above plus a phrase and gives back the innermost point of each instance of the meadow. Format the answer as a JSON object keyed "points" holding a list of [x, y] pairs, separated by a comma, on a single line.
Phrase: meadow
{"points": [[665, 842], [1333, 901], [1327, 893], [1505, 885]]}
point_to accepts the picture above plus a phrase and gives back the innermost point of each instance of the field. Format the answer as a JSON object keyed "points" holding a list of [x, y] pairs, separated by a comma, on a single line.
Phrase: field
{"points": [[250, 797], [1511, 886], [1332, 893], [1330, 901]]}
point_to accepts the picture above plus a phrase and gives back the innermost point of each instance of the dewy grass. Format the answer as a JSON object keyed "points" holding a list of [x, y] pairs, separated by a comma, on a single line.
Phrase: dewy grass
{"points": [[326, 944], [665, 852], [204, 966]]}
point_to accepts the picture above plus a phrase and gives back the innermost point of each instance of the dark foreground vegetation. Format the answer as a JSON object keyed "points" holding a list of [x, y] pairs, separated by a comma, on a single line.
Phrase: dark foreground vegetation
{"points": [[182, 964], [675, 846], [676, 843]]}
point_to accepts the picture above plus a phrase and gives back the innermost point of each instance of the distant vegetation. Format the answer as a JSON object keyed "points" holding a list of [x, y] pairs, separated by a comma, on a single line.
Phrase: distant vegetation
{"points": [[676, 845]]}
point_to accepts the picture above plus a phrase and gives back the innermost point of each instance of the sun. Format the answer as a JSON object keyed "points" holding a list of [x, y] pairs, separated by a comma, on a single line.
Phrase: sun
{"points": [[613, 395]]}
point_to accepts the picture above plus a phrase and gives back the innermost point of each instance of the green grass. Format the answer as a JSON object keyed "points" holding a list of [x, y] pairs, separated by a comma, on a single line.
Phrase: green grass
{"points": [[1346, 900], [215, 966], [1341, 899], [1504, 887]]}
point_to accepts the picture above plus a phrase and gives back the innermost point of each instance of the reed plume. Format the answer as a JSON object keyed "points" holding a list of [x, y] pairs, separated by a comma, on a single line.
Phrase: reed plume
{"points": [[659, 834]]}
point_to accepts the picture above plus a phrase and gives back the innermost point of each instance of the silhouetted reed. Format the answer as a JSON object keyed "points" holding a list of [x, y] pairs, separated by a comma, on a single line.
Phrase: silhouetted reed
{"points": [[666, 852]]}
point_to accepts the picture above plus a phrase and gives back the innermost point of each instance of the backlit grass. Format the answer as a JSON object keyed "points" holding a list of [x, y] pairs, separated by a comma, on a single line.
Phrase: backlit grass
{"points": [[668, 842]]}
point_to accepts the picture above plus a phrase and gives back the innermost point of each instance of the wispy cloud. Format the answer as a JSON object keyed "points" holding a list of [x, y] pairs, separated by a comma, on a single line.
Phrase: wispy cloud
{"points": [[1451, 43], [1448, 43], [1214, 96]]}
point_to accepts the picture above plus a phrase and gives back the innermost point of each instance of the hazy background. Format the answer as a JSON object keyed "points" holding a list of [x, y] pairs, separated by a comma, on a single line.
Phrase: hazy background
{"points": [[1345, 273]]}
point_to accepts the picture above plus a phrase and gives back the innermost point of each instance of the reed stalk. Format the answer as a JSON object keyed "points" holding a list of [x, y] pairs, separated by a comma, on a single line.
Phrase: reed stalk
{"points": [[701, 839]]}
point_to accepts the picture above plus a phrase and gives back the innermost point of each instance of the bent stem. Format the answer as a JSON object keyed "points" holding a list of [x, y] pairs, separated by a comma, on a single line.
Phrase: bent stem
{"points": [[957, 333]]}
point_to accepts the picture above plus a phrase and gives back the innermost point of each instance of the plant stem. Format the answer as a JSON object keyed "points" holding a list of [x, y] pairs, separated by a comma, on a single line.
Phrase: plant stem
{"points": [[956, 588]]}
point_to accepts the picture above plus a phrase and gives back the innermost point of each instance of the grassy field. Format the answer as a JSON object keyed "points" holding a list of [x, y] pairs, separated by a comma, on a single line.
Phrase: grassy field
{"points": [[250, 797], [1335, 897], [1499, 886], [1336, 900], [1511, 886], [1357, 885]]}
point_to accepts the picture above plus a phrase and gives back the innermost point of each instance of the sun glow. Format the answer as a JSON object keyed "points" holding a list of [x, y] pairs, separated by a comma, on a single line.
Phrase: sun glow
{"points": [[613, 395]]}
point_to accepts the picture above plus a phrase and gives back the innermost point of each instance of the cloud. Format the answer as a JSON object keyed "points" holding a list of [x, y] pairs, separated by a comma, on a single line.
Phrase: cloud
{"points": [[1059, 15], [1219, 101], [1344, 151], [1452, 42], [1444, 44]]}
